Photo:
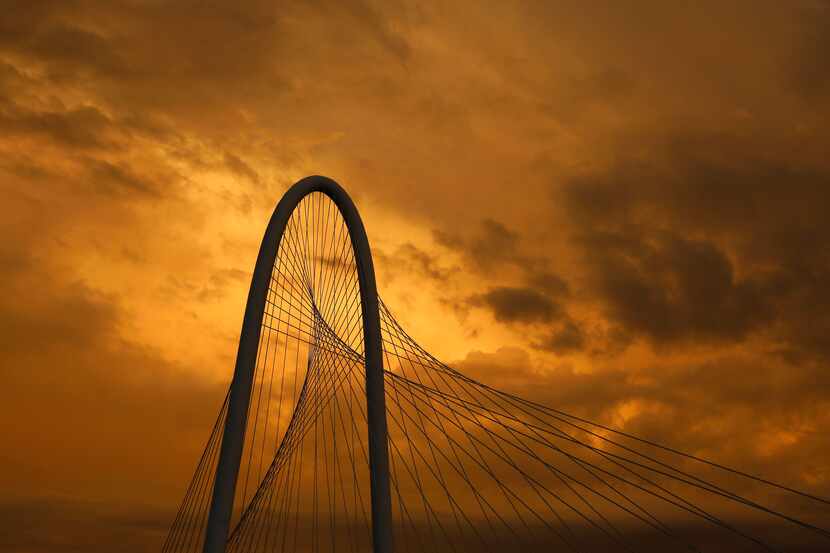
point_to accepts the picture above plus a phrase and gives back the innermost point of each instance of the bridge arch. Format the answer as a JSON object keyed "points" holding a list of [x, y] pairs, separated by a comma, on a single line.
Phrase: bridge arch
{"points": [[230, 453]]}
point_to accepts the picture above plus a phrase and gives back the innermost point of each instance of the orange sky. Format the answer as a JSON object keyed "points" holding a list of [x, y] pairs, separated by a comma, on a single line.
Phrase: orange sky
{"points": [[621, 211]]}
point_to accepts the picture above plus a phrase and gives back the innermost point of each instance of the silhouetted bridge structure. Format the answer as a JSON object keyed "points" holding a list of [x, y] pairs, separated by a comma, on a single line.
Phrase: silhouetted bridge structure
{"points": [[340, 432]]}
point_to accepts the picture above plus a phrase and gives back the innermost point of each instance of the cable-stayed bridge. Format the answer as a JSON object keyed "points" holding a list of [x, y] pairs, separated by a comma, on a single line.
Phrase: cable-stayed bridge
{"points": [[340, 433]]}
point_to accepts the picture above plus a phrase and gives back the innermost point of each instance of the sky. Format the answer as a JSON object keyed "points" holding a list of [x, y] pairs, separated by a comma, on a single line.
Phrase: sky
{"points": [[619, 209]]}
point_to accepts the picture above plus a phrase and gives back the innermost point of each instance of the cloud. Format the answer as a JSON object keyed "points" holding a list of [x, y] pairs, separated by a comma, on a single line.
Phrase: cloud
{"points": [[738, 409], [517, 305], [240, 168], [94, 408], [121, 179], [669, 288], [78, 128], [568, 338], [60, 524], [408, 258], [493, 249], [808, 68], [218, 284], [693, 245], [492, 244], [635, 203], [98, 387], [550, 283]]}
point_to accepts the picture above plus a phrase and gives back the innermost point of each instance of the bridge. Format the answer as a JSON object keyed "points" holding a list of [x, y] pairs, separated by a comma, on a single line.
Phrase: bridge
{"points": [[340, 432]]}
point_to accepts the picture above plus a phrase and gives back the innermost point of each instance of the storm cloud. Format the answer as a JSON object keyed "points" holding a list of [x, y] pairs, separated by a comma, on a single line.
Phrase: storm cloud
{"points": [[619, 211]]}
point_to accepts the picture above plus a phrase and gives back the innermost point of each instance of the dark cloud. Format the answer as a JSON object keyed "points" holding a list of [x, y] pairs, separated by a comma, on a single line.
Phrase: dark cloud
{"points": [[517, 305], [568, 338], [494, 249], [121, 179], [694, 245], [550, 283], [240, 168], [67, 48], [79, 128], [683, 270], [670, 288], [705, 183], [492, 244]]}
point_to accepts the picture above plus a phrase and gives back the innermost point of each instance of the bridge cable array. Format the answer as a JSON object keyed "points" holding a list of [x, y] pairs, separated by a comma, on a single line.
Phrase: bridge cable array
{"points": [[472, 467]]}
